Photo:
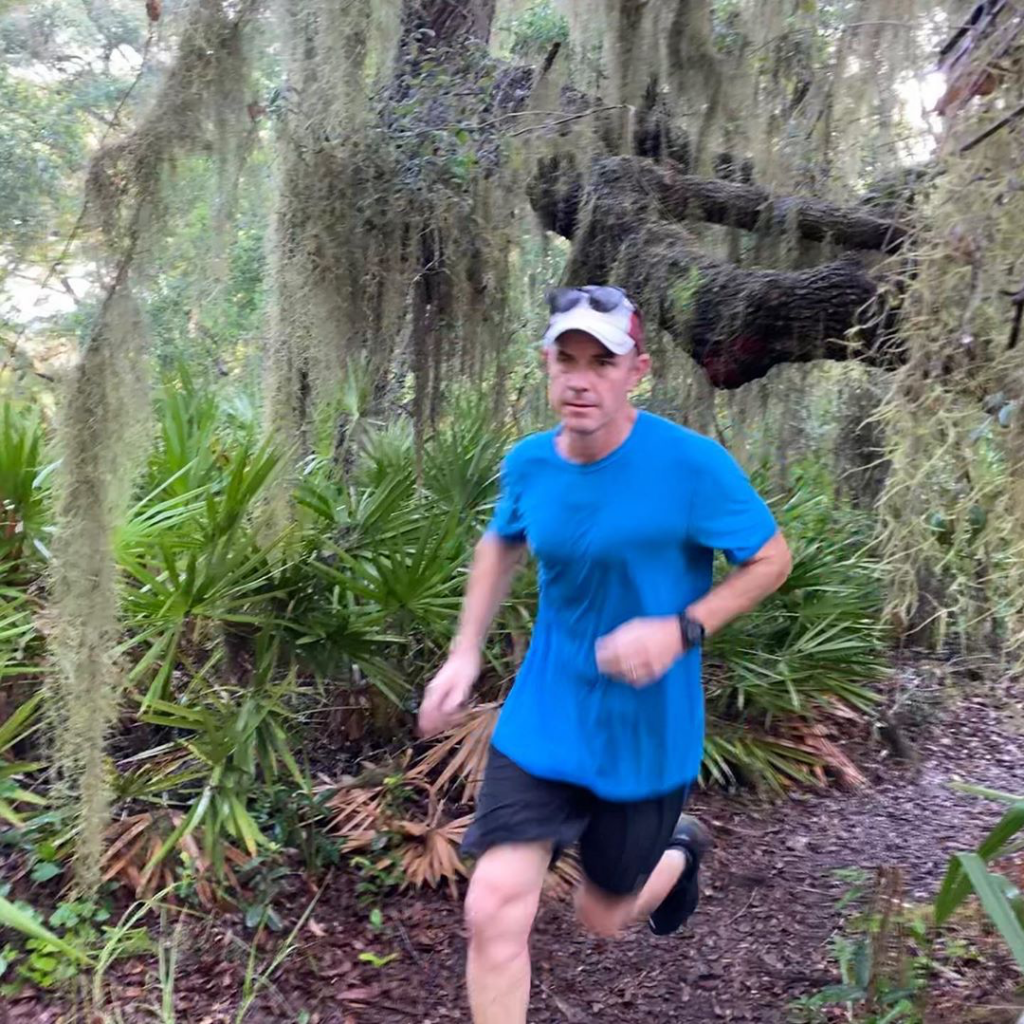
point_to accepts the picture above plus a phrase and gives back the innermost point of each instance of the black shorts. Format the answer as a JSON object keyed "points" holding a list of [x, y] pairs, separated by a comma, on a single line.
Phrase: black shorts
{"points": [[620, 843]]}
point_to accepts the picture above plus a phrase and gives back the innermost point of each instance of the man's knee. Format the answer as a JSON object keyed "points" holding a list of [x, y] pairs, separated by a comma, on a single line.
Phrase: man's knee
{"points": [[602, 914], [502, 903]]}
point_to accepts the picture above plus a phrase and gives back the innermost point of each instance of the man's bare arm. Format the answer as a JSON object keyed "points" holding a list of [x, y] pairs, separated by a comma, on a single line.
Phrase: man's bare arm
{"points": [[495, 562], [745, 587], [490, 578], [643, 650]]}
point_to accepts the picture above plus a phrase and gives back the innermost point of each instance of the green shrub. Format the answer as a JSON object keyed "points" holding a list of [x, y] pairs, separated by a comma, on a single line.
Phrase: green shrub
{"points": [[811, 649], [969, 872], [537, 29]]}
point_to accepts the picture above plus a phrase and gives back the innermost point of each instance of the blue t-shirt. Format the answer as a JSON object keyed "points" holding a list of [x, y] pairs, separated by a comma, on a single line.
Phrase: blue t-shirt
{"points": [[633, 534]]}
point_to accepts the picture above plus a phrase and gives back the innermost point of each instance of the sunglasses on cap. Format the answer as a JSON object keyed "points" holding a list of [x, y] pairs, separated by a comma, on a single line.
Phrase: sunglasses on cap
{"points": [[605, 298], [600, 310]]}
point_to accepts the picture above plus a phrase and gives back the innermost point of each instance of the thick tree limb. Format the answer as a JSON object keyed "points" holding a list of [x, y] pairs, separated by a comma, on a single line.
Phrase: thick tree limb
{"points": [[658, 190], [739, 323], [685, 197]]}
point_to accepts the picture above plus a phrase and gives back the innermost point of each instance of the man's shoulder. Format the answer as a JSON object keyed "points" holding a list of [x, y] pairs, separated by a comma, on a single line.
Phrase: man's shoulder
{"points": [[529, 448], [677, 440]]}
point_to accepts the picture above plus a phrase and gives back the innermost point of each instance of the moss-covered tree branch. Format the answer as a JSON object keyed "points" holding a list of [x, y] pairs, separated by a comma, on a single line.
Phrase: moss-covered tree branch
{"points": [[739, 323], [652, 189], [735, 322]]}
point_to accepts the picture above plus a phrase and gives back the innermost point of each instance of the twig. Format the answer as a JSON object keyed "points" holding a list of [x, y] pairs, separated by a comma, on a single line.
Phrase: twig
{"points": [[989, 132], [746, 832], [890, 24], [469, 126], [570, 117], [408, 945], [12, 353], [1017, 299], [385, 1004], [736, 917], [114, 118]]}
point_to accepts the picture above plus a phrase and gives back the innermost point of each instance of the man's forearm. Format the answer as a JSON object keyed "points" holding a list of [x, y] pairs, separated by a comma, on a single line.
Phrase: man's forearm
{"points": [[490, 578], [745, 588]]}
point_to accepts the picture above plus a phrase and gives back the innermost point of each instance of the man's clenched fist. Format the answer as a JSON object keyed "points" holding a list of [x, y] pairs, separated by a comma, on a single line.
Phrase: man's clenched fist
{"points": [[640, 651], [444, 701]]}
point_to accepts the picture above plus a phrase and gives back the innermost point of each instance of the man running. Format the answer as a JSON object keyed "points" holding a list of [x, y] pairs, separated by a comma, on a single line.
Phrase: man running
{"points": [[602, 734]]}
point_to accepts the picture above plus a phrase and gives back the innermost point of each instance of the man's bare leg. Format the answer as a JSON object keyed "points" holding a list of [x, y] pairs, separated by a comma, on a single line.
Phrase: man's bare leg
{"points": [[500, 908], [608, 915], [665, 875]]}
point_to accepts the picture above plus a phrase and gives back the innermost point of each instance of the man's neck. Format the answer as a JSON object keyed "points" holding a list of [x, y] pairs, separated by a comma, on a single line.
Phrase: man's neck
{"points": [[583, 448]]}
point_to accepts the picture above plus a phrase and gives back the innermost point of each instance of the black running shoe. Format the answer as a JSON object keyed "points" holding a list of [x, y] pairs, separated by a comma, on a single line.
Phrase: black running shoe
{"points": [[694, 840]]}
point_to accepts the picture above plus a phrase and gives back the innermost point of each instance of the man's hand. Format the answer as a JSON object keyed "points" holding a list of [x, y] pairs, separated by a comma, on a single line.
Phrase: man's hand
{"points": [[640, 651], [444, 701]]}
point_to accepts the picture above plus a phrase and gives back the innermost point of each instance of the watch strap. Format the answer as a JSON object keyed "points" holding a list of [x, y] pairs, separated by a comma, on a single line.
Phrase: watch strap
{"points": [[691, 631]]}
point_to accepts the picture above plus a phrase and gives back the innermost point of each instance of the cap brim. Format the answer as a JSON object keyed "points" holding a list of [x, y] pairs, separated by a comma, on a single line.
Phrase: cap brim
{"points": [[589, 321]]}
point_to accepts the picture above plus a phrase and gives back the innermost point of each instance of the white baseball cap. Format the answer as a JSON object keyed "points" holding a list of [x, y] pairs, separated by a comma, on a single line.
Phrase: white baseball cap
{"points": [[602, 311]]}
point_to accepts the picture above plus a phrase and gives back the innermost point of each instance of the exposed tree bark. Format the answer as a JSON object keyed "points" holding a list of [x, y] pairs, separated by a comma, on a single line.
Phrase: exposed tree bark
{"points": [[450, 22], [685, 197], [738, 323]]}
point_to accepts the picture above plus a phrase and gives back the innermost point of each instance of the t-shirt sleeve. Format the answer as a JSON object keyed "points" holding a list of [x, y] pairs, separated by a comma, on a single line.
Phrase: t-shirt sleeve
{"points": [[507, 521], [726, 513]]}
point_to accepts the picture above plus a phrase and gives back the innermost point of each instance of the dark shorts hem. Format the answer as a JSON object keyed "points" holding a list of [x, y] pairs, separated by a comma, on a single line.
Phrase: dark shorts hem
{"points": [[620, 842], [478, 841]]}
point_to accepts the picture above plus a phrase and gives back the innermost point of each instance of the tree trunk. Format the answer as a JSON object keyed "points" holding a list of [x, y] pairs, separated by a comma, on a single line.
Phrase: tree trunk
{"points": [[450, 22]]}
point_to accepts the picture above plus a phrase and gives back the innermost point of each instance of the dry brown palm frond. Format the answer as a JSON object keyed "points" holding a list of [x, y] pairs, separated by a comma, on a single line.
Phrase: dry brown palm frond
{"points": [[465, 748], [427, 844], [430, 855], [428, 847], [135, 840], [359, 817], [355, 807], [814, 739], [838, 708]]}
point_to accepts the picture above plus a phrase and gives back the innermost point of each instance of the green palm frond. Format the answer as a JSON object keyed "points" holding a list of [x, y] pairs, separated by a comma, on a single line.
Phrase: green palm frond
{"points": [[733, 755], [461, 460], [384, 453], [17, 728], [192, 555], [24, 487], [227, 747], [999, 896], [815, 642], [186, 456], [20, 642]]}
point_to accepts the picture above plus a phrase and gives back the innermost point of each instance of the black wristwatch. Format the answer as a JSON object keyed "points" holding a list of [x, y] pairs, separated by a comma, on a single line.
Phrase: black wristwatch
{"points": [[691, 631]]}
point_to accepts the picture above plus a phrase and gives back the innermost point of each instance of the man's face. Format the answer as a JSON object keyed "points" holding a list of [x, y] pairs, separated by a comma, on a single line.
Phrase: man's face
{"points": [[589, 386]]}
